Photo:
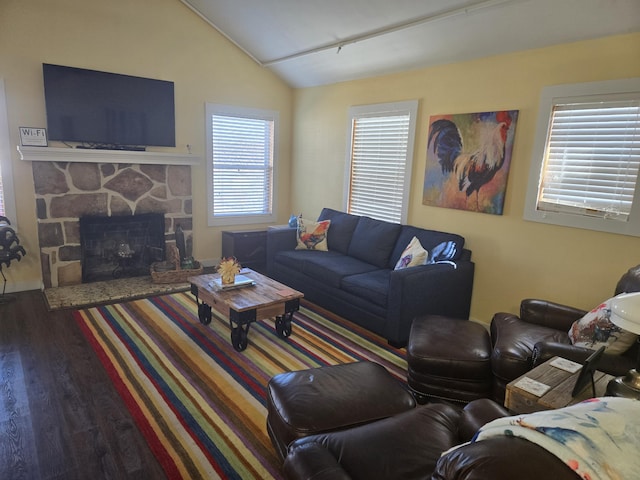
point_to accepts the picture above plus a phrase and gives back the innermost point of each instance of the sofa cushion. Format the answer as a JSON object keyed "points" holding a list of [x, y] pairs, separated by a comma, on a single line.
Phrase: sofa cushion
{"points": [[330, 269], [312, 235], [404, 446], [342, 227], [373, 241], [372, 286], [297, 258], [428, 239]]}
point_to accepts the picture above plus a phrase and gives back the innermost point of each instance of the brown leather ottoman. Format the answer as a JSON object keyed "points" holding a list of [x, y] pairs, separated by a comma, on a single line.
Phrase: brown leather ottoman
{"points": [[449, 358], [325, 399]]}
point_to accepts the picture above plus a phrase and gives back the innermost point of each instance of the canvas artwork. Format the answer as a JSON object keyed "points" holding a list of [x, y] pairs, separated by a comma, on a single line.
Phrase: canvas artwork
{"points": [[468, 160]]}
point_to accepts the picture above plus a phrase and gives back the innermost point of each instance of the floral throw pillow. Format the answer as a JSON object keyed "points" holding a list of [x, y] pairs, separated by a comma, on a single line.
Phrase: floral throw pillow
{"points": [[413, 255], [595, 330], [312, 235]]}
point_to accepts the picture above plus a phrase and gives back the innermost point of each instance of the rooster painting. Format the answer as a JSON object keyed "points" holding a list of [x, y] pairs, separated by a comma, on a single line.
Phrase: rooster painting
{"points": [[469, 154]]}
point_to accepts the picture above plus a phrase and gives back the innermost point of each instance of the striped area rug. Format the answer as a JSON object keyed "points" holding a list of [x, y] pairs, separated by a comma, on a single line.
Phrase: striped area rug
{"points": [[200, 404]]}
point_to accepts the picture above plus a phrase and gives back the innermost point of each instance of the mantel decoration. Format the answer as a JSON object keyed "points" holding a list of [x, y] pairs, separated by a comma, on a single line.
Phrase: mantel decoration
{"points": [[10, 249], [33, 137], [228, 269], [468, 160]]}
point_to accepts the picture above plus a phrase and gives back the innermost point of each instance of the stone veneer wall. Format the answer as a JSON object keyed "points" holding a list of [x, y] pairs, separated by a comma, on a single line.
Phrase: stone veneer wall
{"points": [[67, 191]]}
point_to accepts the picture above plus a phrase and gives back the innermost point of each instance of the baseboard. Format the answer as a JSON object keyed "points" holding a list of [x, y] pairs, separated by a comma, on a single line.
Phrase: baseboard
{"points": [[15, 287]]}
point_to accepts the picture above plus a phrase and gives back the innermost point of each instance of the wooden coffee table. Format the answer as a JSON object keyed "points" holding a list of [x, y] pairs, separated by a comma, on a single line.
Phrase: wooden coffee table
{"points": [[243, 306]]}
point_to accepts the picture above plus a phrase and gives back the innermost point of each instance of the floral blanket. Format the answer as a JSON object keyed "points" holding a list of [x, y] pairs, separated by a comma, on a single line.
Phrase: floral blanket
{"points": [[598, 438]]}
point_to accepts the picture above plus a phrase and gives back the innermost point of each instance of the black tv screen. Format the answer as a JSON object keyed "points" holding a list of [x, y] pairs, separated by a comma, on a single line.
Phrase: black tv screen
{"points": [[103, 110]]}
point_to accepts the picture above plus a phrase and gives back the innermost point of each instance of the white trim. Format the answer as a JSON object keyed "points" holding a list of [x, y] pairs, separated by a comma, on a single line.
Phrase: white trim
{"points": [[571, 93], [5, 161], [57, 154], [24, 286]]}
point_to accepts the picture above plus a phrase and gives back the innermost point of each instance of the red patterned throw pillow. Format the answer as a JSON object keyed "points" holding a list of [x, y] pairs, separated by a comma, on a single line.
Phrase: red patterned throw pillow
{"points": [[312, 235]]}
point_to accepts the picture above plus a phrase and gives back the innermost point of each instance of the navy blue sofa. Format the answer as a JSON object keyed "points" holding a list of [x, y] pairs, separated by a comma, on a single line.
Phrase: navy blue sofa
{"points": [[356, 279]]}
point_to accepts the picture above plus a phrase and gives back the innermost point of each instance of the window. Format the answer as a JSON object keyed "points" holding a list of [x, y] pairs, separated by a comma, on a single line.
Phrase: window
{"points": [[584, 170], [241, 158], [7, 202], [380, 155]]}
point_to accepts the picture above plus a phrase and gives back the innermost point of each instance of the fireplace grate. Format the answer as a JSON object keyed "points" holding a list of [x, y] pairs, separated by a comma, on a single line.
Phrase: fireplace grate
{"points": [[120, 246]]}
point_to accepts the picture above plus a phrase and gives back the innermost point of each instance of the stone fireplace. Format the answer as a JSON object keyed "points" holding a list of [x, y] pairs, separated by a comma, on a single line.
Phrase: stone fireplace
{"points": [[68, 191]]}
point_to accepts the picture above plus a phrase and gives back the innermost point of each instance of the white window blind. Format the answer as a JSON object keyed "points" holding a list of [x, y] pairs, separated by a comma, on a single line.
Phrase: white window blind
{"points": [[241, 153], [584, 165], [380, 163], [592, 159]]}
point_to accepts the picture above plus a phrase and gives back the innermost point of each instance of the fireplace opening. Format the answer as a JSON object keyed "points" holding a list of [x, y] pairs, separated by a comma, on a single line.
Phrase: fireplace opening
{"points": [[120, 246]]}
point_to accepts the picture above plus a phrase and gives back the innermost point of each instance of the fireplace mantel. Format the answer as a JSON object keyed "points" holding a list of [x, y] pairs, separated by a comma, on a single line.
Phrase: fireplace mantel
{"points": [[57, 154]]}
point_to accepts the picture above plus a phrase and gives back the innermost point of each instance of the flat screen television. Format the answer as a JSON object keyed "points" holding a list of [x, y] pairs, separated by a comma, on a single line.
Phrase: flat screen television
{"points": [[108, 110]]}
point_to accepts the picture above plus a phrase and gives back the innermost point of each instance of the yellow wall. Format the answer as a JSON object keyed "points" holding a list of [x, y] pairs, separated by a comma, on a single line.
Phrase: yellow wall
{"points": [[514, 259], [164, 39], [159, 39]]}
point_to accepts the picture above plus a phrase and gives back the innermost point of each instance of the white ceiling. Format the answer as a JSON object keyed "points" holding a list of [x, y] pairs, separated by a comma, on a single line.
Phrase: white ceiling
{"points": [[316, 42]]}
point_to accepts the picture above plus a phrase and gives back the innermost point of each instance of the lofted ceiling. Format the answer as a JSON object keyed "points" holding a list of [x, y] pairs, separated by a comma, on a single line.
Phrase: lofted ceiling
{"points": [[316, 42]]}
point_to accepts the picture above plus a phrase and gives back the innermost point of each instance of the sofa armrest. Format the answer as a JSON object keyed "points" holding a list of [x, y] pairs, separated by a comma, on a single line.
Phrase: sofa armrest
{"points": [[501, 458], [476, 414], [312, 461], [549, 314], [437, 289], [611, 364], [279, 239]]}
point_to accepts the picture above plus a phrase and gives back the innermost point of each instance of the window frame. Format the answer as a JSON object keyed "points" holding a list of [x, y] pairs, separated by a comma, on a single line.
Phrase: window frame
{"points": [[550, 97], [6, 170], [409, 107], [212, 109]]}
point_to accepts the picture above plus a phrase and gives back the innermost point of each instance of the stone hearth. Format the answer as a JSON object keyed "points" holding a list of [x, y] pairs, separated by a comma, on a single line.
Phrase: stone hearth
{"points": [[112, 291], [67, 191]]}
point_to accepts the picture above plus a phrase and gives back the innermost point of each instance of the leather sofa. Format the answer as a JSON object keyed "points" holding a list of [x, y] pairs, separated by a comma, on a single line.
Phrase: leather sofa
{"points": [[409, 446], [356, 279]]}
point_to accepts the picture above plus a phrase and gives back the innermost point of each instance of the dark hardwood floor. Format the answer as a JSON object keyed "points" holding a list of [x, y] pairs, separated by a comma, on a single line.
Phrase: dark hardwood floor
{"points": [[60, 416]]}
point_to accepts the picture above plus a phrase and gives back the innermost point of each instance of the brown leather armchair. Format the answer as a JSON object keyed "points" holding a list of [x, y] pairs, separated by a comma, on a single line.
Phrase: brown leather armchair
{"points": [[541, 332], [410, 445]]}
